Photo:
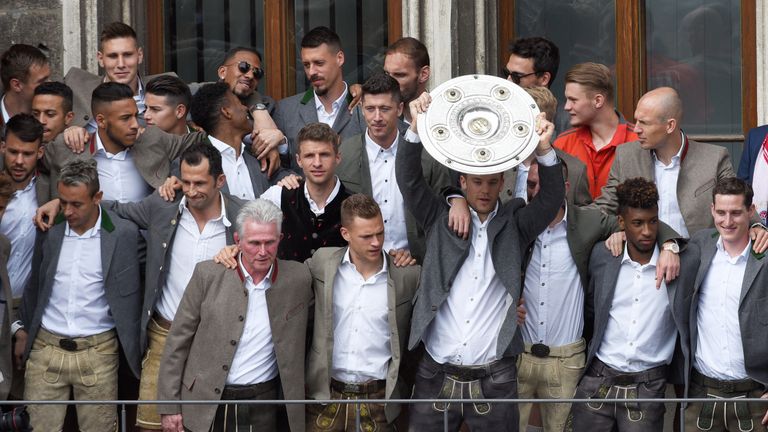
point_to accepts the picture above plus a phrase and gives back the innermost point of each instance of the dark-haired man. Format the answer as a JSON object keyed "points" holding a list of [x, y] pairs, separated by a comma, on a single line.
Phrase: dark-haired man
{"points": [[727, 322], [326, 100], [168, 101], [369, 162], [218, 111], [82, 306], [22, 68], [533, 62], [130, 166], [640, 340], [52, 107], [7, 370], [407, 61], [22, 149]]}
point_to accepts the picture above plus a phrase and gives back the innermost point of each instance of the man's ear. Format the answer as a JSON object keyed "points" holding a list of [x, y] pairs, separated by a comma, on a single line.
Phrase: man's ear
{"points": [[140, 54], [97, 197], [100, 58], [599, 100], [100, 121], [424, 74], [621, 223], [68, 118], [221, 72], [345, 234], [15, 85], [180, 112]]}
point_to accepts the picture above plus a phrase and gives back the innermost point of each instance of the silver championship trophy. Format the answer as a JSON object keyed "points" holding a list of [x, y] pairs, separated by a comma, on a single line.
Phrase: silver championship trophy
{"points": [[479, 124]]}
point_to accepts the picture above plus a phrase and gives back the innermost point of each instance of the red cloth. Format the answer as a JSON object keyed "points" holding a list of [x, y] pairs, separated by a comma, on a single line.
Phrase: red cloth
{"points": [[578, 142]]}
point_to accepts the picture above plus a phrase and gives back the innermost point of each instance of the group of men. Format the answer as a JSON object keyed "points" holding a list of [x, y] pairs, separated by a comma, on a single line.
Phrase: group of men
{"points": [[204, 242]]}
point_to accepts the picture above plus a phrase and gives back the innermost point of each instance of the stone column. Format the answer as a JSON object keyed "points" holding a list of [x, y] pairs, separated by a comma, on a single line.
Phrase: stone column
{"points": [[761, 16]]}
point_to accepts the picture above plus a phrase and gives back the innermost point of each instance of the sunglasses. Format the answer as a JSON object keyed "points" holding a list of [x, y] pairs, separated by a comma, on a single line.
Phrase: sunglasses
{"points": [[516, 76], [244, 67]]}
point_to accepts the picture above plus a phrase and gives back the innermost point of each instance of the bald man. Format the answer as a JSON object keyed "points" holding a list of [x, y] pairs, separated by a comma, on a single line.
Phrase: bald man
{"points": [[685, 171]]}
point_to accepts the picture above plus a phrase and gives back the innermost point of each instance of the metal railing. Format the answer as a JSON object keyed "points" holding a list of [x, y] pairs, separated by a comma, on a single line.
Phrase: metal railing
{"points": [[123, 403]]}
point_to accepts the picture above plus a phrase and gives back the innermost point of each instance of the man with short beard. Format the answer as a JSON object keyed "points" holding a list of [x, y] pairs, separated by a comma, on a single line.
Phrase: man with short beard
{"points": [[407, 61], [21, 149], [326, 100], [130, 166]]}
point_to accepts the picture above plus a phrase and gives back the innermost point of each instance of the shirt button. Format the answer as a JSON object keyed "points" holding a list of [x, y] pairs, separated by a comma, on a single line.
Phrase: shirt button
{"points": [[233, 342], [216, 390], [385, 180], [225, 367], [630, 344], [165, 245], [543, 283], [241, 318], [314, 235], [542, 303], [541, 322]]}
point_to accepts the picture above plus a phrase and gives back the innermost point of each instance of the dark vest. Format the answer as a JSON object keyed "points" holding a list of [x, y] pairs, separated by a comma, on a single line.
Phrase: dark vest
{"points": [[303, 231]]}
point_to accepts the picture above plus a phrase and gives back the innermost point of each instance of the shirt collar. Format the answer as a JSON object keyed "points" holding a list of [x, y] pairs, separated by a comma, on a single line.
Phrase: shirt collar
{"points": [[374, 149], [336, 104], [347, 260], [733, 260], [312, 204], [28, 187], [263, 284], [6, 115], [652, 263], [222, 147], [222, 217], [476, 218], [676, 158], [100, 148], [92, 232]]}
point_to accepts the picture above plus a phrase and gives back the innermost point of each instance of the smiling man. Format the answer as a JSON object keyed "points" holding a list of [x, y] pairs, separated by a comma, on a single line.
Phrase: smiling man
{"points": [[120, 56], [327, 98]]}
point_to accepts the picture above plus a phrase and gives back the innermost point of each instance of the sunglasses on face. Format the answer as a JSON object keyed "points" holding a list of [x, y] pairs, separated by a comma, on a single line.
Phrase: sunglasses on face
{"points": [[516, 76], [244, 67]]}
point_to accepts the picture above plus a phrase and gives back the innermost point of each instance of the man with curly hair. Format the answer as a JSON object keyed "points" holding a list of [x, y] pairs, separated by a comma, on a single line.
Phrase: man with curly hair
{"points": [[640, 338]]}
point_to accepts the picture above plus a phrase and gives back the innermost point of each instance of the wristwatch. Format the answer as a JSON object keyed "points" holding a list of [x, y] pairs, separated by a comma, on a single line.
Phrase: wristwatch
{"points": [[258, 107], [671, 246]]}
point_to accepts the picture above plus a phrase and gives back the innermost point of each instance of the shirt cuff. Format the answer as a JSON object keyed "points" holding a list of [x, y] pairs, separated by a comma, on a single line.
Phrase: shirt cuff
{"points": [[450, 197], [412, 136], [548, 159], [16, 326]]}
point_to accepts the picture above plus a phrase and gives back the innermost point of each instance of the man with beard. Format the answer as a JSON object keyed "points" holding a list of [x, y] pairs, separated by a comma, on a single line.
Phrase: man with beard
{"points": [[21, 149], [326, 100], [52, 107], [407, 61], [130, 166]]}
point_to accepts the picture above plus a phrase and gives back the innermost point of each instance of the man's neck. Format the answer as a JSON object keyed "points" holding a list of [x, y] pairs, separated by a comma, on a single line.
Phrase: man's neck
{"points": [[331, 95], [179, 129], [559, 217], [256, 276], [203, 216], [230, 136], [14, 105], [319, 192], [641, 258], [17, 186], [385, 142], [670, 148], [365, 267], [604, 127], [735, 247], [109, 145]]}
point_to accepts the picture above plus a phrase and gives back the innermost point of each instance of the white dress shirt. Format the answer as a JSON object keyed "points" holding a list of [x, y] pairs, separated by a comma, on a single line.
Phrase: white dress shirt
{"points": [[255, 361], [275, 193], [719, 351], [235, 169], [361, 346], [16, 224], [521, 184], [329, 118], [78, 304], [190, 246], [641, 332], [465, 330], [666, 182], [554, 296], [119, 178], [386, 193]]}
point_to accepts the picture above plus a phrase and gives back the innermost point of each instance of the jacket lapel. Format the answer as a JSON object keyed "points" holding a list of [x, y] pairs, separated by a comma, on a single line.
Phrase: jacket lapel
{"points": [[343, 117], [707, 254], [307, 110], [365, 168], [753, 268], [108, 243], [231, 213], [331, 269], [604, 298]]}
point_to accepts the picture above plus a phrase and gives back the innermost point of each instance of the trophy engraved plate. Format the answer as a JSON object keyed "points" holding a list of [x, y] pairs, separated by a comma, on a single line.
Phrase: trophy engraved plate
{"points": [[479, 124]]}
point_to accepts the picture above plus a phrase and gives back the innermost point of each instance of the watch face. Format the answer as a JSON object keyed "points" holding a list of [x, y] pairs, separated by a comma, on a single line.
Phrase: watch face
{"points": [[259, 107]]}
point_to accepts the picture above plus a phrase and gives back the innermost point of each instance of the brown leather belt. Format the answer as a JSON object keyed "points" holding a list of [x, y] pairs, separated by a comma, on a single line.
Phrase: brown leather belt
{"points": [[471, 373], [162, 322], [613, 377], [369, 387], [250, 391], [725, 386]]}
